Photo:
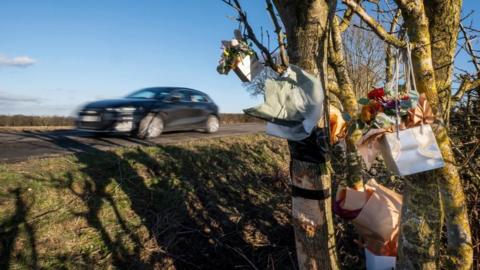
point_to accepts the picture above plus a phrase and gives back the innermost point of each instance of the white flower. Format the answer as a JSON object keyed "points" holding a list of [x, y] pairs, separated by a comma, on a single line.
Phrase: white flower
{"points": [[234, 42]]}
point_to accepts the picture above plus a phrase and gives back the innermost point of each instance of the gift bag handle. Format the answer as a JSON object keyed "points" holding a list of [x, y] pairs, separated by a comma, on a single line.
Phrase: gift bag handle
{"points": [[397, 115], [412, 74], [409, 80]]}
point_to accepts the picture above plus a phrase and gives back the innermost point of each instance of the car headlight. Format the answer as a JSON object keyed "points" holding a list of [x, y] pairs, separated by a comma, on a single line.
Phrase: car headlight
{"points": [[122, 109]]}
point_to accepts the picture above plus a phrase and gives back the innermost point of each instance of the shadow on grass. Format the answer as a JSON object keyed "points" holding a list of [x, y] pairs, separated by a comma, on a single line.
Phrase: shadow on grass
{"points": [[11, 227], [217, 205]]}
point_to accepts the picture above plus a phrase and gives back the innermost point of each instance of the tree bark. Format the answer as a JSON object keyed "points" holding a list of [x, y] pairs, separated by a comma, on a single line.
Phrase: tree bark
{"points": [[444, 22], [336, 56], [432, 28], [306, 24], [420, 227], [312, 220], [421, 222]]}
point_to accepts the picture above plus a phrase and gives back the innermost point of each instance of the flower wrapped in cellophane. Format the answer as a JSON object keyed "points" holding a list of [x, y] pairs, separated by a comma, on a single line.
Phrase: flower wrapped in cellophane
{"points": [[237, 55]]}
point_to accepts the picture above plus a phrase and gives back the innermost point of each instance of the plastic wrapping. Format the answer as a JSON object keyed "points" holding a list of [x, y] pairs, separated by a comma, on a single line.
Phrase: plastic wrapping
{"points": [[293, 103]]}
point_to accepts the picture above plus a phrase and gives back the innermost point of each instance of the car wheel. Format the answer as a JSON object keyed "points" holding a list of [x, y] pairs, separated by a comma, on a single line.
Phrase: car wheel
{"points": [[150, 127], [212, 124]]}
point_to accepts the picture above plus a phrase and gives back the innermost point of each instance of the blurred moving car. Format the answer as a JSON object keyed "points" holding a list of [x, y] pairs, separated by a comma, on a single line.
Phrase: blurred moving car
{"points": [[149, 112]]}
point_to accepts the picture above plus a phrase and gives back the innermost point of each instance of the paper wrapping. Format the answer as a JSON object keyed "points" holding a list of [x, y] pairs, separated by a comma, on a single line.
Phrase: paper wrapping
{"points": [[378, 215], [248, 68], [338, 126], [293, 104]]}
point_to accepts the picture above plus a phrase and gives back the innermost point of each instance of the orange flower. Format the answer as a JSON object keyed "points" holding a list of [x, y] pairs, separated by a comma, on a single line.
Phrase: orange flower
{"points": [[338, 126], [366, 115], [370, 110]]}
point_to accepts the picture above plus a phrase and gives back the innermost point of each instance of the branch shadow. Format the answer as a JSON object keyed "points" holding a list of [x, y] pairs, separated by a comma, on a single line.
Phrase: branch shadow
{"points": [[11, 228]]}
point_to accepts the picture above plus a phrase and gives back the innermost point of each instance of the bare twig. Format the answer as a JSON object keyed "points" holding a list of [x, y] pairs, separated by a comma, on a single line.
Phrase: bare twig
{"points": [[242, 255], [280, 35], [470, 48], [470, 155]]}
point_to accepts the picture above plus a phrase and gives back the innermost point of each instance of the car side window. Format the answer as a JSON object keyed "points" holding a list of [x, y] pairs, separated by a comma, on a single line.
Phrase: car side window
{"points": [[183, 96], [198, 98]]}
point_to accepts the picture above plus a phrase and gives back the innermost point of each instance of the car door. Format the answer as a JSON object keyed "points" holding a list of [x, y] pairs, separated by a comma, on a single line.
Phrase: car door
{"points": [[179, 115], [200, 108]]}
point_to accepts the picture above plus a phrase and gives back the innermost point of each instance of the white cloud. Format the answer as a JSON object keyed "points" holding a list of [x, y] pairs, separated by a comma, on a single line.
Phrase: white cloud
{"points": [[19, 61], [6, 98]]}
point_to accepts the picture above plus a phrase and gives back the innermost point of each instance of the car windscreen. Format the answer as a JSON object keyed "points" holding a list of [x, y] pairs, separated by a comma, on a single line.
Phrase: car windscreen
{"points": [[150, 93]]}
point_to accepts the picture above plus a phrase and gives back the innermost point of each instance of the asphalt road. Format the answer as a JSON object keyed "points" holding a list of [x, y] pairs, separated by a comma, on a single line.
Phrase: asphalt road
{"points": [[19, 146]]}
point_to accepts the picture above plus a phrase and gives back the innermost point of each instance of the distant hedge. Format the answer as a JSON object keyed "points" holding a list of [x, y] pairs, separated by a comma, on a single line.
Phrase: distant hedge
{"points": [[28, 120], [45, 121]]}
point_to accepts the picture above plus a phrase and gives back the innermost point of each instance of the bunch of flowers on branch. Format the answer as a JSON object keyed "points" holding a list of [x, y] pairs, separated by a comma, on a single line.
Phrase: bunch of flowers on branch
{"points": [[380, 108], [398, 126], [234, 51]]}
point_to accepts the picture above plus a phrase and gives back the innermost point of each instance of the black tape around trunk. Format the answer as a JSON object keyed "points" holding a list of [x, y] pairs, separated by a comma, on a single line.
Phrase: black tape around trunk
{"points": [[318, 195], [313, 149]]}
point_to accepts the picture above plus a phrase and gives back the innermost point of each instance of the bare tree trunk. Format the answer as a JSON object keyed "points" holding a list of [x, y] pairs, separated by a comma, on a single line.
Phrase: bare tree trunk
{"points": [[444, 22], [421, 225], [312, 220], [336, 56], [306, 23]]}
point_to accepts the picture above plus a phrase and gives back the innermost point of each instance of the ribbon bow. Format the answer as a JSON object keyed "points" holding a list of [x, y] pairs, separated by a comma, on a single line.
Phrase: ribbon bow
{"points": [[422, 114]]}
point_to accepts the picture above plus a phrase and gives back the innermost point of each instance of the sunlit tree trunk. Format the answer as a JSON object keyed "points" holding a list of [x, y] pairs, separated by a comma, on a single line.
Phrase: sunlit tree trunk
{"points": [[432, 30], [346, 94], [306, 23], [420, 228], [444, 22]]}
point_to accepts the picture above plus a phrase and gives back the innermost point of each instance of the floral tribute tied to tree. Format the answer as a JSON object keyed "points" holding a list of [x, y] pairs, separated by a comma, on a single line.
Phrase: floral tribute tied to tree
{"points": [[397, 124], [395, 121]]}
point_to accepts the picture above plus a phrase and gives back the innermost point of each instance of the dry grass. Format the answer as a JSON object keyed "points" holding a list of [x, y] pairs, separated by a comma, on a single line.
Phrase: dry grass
{"points": [[207, 204]]}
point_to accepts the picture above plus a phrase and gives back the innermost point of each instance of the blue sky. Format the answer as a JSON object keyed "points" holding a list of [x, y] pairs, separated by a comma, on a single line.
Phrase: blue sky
{"points": [[56, 55]]}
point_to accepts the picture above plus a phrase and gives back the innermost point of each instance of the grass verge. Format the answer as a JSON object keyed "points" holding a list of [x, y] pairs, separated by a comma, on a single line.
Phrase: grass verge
{"points": [[207, 204], [210, 204]]}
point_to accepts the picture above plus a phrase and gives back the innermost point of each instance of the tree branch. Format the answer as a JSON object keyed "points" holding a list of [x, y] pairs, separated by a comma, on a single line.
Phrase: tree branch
{"points": [[470, 48], [280, 35], [242, 17], [466, 86], [374, 25], [347, 18], [389, 58]]}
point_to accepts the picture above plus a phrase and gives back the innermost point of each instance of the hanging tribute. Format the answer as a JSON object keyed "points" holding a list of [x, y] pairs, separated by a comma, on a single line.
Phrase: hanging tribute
{"points": [[293, 100], [397, 123]]}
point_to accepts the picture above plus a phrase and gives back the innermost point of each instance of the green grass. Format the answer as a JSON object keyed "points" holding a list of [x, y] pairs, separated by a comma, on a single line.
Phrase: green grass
{"points": [[204, 204]]}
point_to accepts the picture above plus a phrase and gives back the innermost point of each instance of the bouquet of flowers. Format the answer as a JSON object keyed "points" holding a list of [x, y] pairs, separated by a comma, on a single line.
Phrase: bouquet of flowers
{"points": [[380, 108], [398, 126], [234, 51]]}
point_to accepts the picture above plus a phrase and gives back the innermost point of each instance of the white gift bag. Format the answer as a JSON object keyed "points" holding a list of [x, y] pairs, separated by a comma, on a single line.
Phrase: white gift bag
{"points": [[374, 262], [411, 151], [248, 68]]}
